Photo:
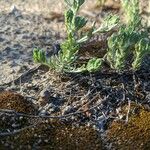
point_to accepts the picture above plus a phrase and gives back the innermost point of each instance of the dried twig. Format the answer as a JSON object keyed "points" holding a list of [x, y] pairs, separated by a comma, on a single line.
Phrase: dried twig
{"points": [[128, 111], [16, 131]]}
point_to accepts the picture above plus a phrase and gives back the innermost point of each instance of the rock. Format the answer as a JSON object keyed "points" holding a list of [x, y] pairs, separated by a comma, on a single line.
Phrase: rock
{"points": [[54, 109], [55, 50], [17, 46], [25, 37], [2, 39], [14, 11], [44, 97], [7, 49], [68, 109], [45, 93]]}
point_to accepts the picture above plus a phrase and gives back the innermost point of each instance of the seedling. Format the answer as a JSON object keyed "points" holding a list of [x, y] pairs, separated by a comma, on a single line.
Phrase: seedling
{"points": [[129, 40], [67, 57]]}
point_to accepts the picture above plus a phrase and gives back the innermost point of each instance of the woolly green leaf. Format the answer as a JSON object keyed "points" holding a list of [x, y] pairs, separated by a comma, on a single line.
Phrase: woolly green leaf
{"points": [[132, 12], [80, 2], [94, 64], [41, 55], [68, 19], [142, 48], [35, 55], [109, 23], [69, 2], [77, 4], [80, 22]]}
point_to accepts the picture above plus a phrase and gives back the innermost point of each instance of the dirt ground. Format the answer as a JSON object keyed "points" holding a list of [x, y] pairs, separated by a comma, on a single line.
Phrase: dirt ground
{"points": [[25, 25]]}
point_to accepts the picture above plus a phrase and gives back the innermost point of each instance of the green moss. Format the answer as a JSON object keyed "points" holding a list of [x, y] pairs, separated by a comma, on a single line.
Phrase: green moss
{"points": [[14, 101], [133, 135], [55, 135], [45, 135]]}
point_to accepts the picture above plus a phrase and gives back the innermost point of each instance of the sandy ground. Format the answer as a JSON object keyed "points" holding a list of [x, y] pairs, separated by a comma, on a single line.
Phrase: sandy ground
{"points": [[32, 25]]}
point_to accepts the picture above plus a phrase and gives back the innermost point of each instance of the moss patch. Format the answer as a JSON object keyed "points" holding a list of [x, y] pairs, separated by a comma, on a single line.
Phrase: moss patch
{"points": [[10, 100], [133, 135], [56, 136], [16, 102], [44, 135]]}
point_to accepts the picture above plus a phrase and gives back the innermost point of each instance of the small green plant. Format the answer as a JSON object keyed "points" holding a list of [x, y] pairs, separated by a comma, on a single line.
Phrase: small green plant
{"points": [[129, 40], [65, 60], [132, 12], [120, 47]]}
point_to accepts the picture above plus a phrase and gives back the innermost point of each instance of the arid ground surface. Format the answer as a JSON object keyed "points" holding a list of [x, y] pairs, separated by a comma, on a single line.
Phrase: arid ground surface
{"points": [[84, 100]]}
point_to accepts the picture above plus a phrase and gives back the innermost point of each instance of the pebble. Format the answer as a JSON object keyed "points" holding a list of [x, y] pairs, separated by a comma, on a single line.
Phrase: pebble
{"points": [[45, 93], [7, 50], [2, 39], [68, 109], [14, 11]]}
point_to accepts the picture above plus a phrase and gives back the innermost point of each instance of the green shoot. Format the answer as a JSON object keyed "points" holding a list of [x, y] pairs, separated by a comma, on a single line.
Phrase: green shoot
{"points": [[67, 57], [127, 41], [93, 65], [131, 12], [142, 48]]}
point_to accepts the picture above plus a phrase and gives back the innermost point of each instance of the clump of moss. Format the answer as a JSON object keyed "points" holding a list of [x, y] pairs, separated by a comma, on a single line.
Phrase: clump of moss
{"points": [[55, 135], [133, 135], [51, 135], [16, 102], [10, 100]]}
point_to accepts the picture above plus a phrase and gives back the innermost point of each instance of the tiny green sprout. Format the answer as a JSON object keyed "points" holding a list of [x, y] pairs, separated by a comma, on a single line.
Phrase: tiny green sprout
{"points": [[94, 64], [127, 41], [39, 56]]}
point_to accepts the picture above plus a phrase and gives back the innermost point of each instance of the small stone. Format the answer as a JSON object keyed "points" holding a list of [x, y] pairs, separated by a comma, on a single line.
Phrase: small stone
{"points": [[14, 11], [43, 112], [18, 31], [54, 109], [18, 46], [25, 37], [45, 93], [7, 49], [2, 40], [68, 109], [15, 125], [17, 69]]}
